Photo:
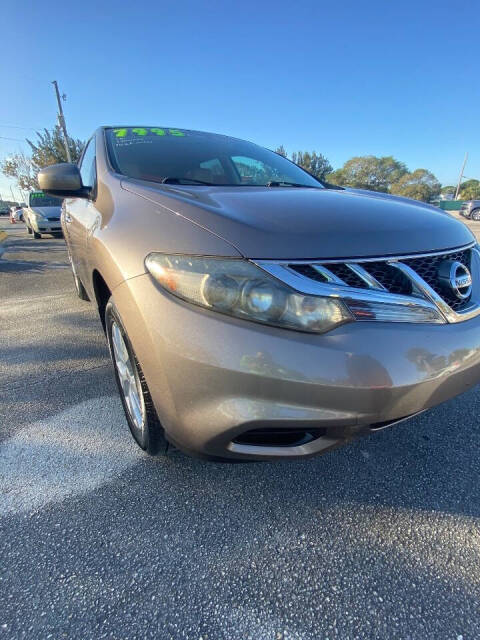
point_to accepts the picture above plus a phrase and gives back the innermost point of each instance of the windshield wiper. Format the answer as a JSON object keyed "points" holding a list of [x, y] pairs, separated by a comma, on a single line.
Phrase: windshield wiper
{"points": [[282, 183], [170, 180]]}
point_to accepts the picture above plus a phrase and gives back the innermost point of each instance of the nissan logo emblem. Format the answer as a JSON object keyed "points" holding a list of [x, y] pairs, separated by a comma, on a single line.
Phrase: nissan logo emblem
{"points": [[456, 277]]}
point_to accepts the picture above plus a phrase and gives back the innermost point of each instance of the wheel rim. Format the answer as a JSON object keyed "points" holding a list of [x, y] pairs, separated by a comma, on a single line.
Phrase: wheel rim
{"points": [[476, 215], [128, 380]]}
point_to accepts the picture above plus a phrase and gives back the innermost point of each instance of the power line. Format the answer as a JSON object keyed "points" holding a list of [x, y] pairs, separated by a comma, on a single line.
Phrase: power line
{"points": [[17, 139], [15, 126]]}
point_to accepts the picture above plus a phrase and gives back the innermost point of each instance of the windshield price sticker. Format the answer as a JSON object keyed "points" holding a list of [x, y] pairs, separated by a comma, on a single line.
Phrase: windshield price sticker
{"points": [[141, 132]]}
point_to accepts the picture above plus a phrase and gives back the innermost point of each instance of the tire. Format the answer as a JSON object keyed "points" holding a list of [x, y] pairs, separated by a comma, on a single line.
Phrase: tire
{"points": [[36, 235], [29, 230], [140, 412], [475, 215]]}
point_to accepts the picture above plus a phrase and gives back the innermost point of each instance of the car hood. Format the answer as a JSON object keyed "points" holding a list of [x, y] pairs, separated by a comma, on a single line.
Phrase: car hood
{"points": [[295, 223], [47, 212]]}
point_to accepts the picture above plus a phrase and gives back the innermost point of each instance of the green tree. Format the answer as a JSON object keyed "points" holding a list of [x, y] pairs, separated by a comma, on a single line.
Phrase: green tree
{"points": [[419, 185], [314, 163], [369, 172], [20, 167], [448, 189], [281, 151], [470, 190], [48, 149]]}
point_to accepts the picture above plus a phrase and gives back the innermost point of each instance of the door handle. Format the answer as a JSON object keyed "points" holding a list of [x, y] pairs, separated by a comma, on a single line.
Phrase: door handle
{"points": [[67, 217]]}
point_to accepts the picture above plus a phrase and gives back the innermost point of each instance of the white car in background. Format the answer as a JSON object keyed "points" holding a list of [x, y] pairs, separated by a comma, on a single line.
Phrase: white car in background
{"points": [[42, 215]]}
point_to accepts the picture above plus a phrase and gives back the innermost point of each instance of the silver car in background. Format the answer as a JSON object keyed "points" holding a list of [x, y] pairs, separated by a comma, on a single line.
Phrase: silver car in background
{"points": [[471, 210], [42, 215]]}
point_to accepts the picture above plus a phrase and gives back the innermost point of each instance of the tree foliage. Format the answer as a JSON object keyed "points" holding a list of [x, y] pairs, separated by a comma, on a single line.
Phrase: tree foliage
{"points": [[48, 149], [369, 172], [419, 185], [470, 190], [448, 189], [20, 167], [314, 163], [281, 151]]}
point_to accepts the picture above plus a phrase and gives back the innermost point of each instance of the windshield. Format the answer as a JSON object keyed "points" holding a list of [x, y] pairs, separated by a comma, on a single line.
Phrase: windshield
{"points": [[39, 199], [192, 157]]}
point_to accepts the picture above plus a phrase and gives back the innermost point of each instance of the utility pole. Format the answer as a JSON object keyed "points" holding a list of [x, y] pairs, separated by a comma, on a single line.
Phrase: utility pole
{"points": [[61, 121], [461, 176]]}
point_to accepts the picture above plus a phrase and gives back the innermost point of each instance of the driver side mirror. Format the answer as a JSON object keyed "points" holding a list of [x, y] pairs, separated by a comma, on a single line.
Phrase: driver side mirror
{"points": [[63, 180]]}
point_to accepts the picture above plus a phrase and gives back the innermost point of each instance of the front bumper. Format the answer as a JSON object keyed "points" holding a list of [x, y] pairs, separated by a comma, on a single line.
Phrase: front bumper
{"points": [[46, 226], [213, 378]]}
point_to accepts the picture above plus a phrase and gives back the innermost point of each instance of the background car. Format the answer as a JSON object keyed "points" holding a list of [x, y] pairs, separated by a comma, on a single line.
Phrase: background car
{"points": [[16, 214], [471, 210], [43, 214]]}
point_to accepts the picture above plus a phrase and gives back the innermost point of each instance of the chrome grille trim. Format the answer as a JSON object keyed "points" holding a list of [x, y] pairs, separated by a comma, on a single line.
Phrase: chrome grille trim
{"points": [[384, 258], [327, 274], [422, 294], [363, 274]]}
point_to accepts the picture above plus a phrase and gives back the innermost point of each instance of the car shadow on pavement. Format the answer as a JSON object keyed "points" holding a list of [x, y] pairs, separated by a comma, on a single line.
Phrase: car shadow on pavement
{"points": [[431, 462], [365, 540], [22, 266], [26, 246]]}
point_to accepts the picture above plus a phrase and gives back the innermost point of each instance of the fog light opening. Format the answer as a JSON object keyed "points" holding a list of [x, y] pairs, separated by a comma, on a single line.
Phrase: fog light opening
{"points": [[278, 437]]}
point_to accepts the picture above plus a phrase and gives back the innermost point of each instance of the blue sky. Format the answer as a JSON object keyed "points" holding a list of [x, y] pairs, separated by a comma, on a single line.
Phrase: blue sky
{"points": [[342, 78]]}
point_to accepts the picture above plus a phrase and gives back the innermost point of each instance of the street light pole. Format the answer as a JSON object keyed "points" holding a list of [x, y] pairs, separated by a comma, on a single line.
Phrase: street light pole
{"points": [[61, 121], [461, 176]]}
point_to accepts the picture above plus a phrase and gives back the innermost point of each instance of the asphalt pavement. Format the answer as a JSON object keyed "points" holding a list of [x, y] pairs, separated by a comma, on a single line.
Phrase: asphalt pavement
{"points": [[379, 539]]}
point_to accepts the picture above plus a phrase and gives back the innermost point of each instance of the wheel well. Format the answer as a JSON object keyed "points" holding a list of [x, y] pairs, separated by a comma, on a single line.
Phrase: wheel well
{"points": [[102, 295]]}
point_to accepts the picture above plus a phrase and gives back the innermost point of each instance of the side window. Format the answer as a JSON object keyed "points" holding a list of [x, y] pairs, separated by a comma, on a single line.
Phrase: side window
{"points": [[88, 169], [214, 165], [253, 171]]}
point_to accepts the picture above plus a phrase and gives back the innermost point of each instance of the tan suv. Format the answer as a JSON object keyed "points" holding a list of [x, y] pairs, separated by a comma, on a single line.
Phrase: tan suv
{"points": [[253, 313]]}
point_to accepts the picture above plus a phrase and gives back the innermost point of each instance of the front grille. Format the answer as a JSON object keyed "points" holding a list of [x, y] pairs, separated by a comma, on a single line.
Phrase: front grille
{"points": [[392, 279], [427, 269]]}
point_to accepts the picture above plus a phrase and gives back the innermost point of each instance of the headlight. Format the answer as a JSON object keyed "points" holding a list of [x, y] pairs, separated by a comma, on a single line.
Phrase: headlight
{"points": [[239, 288], [38, 216]]}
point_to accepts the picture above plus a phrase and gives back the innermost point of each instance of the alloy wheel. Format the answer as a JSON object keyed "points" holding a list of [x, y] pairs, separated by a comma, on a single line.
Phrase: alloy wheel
{"points": [[129, 381]]}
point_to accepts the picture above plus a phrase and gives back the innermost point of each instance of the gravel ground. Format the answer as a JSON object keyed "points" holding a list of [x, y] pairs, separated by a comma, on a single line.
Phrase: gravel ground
{"points": [[379, 539]]}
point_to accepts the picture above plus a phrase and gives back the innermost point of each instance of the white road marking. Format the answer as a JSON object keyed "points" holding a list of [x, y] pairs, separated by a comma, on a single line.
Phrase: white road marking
{"points": [[67, 454]]}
